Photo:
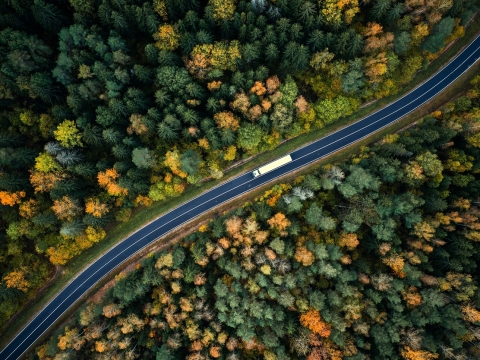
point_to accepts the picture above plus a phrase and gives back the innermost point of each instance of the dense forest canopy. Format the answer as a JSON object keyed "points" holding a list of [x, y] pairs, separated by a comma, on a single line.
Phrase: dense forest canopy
{"points": [[111, 104], [373, 258]]}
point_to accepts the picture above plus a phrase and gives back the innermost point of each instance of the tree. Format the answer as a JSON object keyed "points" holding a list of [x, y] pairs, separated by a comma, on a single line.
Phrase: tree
{"points": [[402, 43], [42, 85], [429, 163], [11, 199], [226, 120], [95, 207], [143, 158], [190, 161], [107, 179], [46, 163], [43, 182], [313, 215], [470, 314], [66, 208], [111, 310], [167, 38], [219, 55], [68, 135], [353, 81], [348, 240], [410, 354], [441, 31], [281, 117], [222, 9], [279, 222], [16, 279], [164, 353], [329, 110], [249, 137], [313, 321], [172, 160], [48, 16], [304, 256]]}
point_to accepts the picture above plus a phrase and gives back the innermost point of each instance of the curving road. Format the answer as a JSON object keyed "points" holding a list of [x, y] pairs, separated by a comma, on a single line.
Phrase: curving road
{"points": [[231, 189]]}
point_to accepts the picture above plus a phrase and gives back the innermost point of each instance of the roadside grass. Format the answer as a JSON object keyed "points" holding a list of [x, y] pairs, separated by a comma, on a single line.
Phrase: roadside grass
{"points": [[145, 215]]}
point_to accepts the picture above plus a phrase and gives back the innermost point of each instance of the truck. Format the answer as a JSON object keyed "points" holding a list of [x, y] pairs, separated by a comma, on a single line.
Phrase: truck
{"points": [[272, 166]]}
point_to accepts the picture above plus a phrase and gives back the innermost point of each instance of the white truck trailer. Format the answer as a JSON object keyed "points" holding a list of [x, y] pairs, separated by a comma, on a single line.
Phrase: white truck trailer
{"points": [[272, 166]]}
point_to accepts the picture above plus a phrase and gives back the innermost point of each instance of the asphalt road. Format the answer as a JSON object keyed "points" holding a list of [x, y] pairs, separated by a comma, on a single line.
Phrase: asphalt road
{"points": [[233, 188]]}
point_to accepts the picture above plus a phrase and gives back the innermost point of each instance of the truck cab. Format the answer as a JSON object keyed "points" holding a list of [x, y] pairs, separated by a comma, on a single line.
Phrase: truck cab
{"points": [[256, 173]]}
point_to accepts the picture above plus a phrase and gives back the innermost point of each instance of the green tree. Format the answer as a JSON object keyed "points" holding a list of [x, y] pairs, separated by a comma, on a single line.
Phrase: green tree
{"points": [[143, 158], [190, 161], [402, 43], [313, 215], [441, 31], [249, 137]]}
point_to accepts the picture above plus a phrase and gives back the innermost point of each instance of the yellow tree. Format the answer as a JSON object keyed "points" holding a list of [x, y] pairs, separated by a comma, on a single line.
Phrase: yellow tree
{"points": [[414, 171], [67, 134], [46, 163], [16, 280], [226, 120], [130, 324], [160, 8], [411, 354], [348, 240], [304, 256], [66, 340], [470, 314], [233, 225], [66, 208], [312, 320], [279, 222], [111, 310], [167, 38], [95, 207], [172, 160], [61, 254], [95, 234], [28, 209], [107, 180], [137, 125], [221, 55], [11, 199], [412, 297], [258, 88], [241, 102], [223, 9], [44, 182], [396, 263], [375, 67], [424, 230], [230, 153]]}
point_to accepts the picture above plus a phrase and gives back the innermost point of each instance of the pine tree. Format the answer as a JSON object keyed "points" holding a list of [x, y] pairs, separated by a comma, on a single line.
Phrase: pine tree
{"points": [[48, 16]]}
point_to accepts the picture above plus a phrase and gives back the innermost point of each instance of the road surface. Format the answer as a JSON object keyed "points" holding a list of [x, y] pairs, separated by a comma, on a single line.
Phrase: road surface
{"points": [[233, 188]]}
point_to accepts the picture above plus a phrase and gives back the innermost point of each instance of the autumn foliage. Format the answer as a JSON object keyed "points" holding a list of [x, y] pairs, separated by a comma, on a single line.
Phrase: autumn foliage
{"points": [[410, 354], [279, 222], [107, 179], [10, 199], [226, 120], [16, 279], [95, 207], [313, 321]]}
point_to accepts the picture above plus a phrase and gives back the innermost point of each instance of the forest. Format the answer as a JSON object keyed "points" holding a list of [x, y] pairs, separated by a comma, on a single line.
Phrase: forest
{"points": [[109, 105], [372, 258]]}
